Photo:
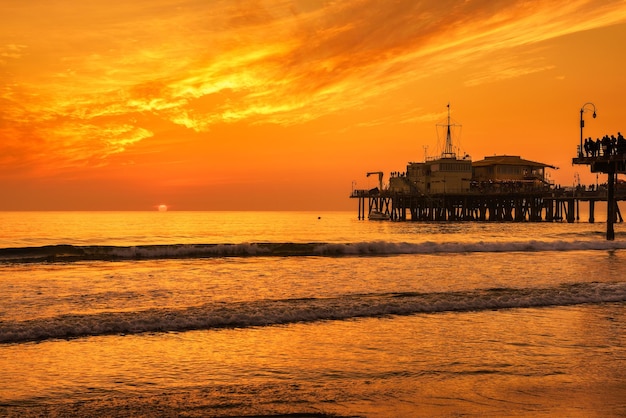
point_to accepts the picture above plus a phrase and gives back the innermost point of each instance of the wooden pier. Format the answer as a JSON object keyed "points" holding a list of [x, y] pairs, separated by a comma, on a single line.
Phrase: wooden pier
{"points": [[500, 188], [531, 206], [611, 163]]}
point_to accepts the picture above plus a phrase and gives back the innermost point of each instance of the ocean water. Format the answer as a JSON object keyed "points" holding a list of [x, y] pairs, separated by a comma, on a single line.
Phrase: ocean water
{"points": [[308, 314]]}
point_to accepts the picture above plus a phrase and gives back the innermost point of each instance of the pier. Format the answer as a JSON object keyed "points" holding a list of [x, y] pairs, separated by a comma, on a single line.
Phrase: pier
{"points": [[499, 188], [604, 155], [556, 205], [611, 163]]}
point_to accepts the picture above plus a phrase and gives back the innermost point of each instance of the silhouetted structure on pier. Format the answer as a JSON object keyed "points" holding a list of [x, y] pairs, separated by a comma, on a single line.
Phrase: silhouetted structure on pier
{"points": [[604, 155], [499, 188], [549, 205]]}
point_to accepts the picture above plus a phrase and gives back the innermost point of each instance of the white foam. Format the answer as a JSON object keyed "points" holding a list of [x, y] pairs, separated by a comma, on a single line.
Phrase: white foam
{"points": [[67, 253], [273, 312], [429, 247]]}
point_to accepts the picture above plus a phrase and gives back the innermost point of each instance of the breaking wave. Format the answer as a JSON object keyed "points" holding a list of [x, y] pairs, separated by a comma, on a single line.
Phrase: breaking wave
{"points": [[262, 313], [69, 253]]}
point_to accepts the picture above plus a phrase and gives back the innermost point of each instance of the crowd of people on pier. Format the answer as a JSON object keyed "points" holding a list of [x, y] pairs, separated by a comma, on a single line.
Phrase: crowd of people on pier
{"points": [[605, 146]]}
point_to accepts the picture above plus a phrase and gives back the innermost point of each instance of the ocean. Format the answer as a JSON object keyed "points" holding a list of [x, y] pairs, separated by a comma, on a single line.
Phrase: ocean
{"points": [[309, 314]]}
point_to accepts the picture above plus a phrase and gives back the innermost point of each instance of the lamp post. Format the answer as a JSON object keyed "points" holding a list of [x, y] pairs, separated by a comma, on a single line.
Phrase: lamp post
{"points": [[582, 125]]}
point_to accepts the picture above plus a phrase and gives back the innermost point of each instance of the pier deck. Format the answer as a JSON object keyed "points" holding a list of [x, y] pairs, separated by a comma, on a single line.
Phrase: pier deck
{"points": [[528, 206], [611, 161]]}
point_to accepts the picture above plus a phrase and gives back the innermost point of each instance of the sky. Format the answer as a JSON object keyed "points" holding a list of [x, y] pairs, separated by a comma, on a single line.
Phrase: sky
{"points": [[286, 105]]}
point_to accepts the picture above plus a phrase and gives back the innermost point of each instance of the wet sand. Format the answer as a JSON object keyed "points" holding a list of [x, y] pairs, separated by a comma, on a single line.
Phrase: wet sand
{"points": [[167, 405]]}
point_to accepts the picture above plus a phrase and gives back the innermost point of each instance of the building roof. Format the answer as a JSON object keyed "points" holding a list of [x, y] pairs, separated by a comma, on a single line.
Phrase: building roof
{"points": [[508, 160]]}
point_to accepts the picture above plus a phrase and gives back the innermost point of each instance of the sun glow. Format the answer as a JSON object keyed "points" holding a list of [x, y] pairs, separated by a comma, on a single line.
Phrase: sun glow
{"points": [[162, 208]]}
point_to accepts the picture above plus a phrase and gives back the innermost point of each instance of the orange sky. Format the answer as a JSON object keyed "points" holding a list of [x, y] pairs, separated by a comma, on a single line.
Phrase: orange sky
{"points": [[228, 105]]}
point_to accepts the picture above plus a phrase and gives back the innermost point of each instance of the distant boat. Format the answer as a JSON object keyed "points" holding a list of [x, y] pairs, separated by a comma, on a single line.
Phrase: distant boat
{"points": [[378, 216]]}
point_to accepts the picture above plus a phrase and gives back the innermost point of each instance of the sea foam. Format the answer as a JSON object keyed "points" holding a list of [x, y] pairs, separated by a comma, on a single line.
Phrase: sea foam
{"points": [[69, 253], [260, 313]]}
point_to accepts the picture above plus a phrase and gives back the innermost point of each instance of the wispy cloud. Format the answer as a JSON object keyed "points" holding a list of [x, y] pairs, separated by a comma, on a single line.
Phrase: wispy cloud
{"points": [[10, 52], [78, 82]]}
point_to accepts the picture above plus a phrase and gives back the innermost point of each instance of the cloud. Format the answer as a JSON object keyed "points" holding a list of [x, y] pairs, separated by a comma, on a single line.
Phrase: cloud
{"points": [[10, 52], [81, 84], [289, 66]]}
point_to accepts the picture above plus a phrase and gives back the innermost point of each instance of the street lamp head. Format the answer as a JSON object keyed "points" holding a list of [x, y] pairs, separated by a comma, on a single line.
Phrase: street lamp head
{"points": [[594, 115]]}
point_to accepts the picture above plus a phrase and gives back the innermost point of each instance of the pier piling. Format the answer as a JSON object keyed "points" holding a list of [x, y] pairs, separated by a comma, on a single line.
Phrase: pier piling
{"points": [[539, 206]]}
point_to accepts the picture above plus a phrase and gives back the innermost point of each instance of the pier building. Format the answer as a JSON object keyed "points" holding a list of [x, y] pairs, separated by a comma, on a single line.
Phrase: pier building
{"points": [[505, 171]]}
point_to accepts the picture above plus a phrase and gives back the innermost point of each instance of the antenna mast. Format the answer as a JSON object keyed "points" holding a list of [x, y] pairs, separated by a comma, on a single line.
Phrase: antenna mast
{"points": [[448, 151]]}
